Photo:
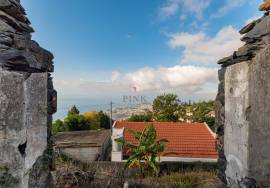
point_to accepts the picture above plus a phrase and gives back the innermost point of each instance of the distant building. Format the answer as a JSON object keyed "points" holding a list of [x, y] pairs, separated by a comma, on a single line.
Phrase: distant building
{"points": [[188, 142], [85, 146]]}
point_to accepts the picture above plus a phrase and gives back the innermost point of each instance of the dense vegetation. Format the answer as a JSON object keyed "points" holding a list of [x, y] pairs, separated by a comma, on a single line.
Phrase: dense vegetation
{"points": [[98, 120], [168, 108], [76, 122], [199, 112], [72, 173], [145, 117]]}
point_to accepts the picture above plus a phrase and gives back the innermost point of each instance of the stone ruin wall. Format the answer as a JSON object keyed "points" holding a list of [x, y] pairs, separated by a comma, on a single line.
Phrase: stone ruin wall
{"points": [[243, 110], [27, 102]]}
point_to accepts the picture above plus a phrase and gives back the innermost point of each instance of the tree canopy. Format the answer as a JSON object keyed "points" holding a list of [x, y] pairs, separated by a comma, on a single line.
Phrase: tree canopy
{"points": [[73, 111], [93, 119], [58, 126], [104, 120], [76, 122], [166, 108], [73, 122], [98, 120], [147, 116], [200, 112]]}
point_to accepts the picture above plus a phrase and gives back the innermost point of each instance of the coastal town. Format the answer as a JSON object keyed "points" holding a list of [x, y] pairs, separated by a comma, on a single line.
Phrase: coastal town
{"points": [[121, 113]]}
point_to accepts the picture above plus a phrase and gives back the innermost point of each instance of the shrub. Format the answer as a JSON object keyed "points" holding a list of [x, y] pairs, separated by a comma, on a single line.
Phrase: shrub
{"points": [[93, 119], [76, 122], [166, 108], [58, 126], [73, 122], [145, 117], [145, 152]]}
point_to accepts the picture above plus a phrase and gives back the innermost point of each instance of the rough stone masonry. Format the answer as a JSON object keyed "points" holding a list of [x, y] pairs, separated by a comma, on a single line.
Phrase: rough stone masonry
{"points": [[243, 110], [27, 102]]}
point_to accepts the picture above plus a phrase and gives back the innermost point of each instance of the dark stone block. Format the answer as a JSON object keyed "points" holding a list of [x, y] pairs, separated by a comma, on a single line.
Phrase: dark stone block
{"points": [[261, 29], [249, 27], [19, 60], [221, 74], [247, 50], [6, 38], [52, 102], [13, 7], [19, 26], [225, 60]]}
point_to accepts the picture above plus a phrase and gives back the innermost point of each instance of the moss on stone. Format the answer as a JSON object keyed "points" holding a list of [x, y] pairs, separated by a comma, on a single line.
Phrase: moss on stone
{"points": [[6, 179]]}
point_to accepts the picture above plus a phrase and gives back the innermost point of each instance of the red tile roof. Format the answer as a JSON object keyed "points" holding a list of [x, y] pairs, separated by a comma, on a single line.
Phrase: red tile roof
{"points": [[187, 140]]}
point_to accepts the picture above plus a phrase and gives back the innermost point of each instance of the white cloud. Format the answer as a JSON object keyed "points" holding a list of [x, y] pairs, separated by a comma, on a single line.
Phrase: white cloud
{"points": [[185, 39], [70, 88], [172, 7], [168, 10], [187, 79], [199, 48], [229, 5]]}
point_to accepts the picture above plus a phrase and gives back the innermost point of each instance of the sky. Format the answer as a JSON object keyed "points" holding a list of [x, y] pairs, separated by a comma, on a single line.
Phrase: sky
{"points": [[104, 49]]}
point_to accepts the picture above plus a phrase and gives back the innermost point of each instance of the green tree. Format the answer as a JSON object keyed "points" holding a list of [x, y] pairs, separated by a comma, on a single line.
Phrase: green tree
{"points": [[73, 111], [167, 108], [145, 152], [76, 122], [104, 120], [200, 112], [145, 117], [210, 121], [58, 126], [94, 119], [98, 120]]}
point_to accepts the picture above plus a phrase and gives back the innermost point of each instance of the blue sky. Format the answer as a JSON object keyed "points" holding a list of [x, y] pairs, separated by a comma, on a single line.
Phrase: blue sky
{"points": [[102, 48]]}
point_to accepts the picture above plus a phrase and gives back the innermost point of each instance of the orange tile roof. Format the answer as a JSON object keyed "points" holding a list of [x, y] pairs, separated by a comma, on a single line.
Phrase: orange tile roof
{"points": [[187, 140]]}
